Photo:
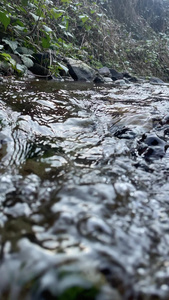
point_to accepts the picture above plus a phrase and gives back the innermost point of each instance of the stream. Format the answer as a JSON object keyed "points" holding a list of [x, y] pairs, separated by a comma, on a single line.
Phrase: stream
{"points": [[84, 191]]}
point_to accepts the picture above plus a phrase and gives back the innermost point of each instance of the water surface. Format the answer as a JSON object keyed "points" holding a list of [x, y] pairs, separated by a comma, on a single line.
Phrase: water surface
{"points": [[84, 191]]}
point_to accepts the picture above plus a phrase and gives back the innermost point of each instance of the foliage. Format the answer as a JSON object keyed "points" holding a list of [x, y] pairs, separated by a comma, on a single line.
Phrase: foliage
{"points": [[96, 32]]}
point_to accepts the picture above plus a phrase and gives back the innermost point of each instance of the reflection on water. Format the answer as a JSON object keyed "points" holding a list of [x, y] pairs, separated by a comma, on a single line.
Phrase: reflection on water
{"points": [[84, 191]]}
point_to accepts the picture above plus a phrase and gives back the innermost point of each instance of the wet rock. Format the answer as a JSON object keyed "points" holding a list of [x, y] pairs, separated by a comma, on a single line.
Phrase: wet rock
{"points": [[4, 139], [116, 75], [80, 71], [129, 77], [166, 131], [108, 80], [156, 80], [98, 79], [120, 82], [105, 72], [152, 147], [40, 70], [165, 120], [125, 133], [30, 74]]}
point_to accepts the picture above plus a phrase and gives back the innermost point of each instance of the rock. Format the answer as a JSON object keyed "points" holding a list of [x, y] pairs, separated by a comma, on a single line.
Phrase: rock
{"points": [[152, 147], [4, 139], [165, 120], [98, 79], [1, 79], [40, 70], [79, 70], [125, 133], [129, 77], [108, 80], [120, 82], [116, 75], [43, 59], [156, 80], [30, 74], [105, 72]]}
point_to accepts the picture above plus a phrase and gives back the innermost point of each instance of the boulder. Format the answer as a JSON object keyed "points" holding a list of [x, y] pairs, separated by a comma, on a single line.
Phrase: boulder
{"points": [[98, 79], [41, 63], [129, 77], [40, 70], [116, 75], [80, 71], [105, 72], [156, 80], [43, 59]]}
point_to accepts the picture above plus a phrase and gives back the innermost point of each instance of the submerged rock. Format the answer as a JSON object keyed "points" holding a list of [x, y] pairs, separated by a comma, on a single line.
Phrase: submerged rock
{"points": [[125, 133], [152, 147]]}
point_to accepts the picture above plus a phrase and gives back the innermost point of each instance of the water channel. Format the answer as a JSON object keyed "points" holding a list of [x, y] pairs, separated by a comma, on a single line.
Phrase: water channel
{"points": [[84, 191]]}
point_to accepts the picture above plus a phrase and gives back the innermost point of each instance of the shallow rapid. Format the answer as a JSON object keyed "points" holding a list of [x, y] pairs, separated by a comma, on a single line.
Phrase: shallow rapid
{"points": [[84, 191]]}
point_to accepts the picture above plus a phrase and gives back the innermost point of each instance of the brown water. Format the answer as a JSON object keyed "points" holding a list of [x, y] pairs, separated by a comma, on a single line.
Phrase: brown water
{"points": [[84, 191]]}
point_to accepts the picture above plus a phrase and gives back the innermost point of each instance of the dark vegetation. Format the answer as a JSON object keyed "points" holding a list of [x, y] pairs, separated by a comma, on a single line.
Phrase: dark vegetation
{"points": [[130, 35]]}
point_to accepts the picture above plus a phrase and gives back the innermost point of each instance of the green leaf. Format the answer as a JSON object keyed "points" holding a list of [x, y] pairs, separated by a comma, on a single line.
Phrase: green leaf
{"points": [[1, 47], [12, 44], [46, 42], [5, 56], [57, 13], [20, 68], [36, 18], [20, 28], [62, 26], [24, 2], [66, 1], [68, 34], [27, 61], [47, 29], [24, 50], [4, 19], [63, 67], [12, 62], [84, 18]]}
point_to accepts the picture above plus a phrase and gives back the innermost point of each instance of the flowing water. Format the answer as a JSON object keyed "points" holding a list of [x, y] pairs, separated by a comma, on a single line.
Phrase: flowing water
{"points": [[84, 191]]}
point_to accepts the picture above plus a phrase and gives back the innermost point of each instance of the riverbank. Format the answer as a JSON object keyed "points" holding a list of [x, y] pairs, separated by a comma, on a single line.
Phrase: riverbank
{"points": [[89, 32]]}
